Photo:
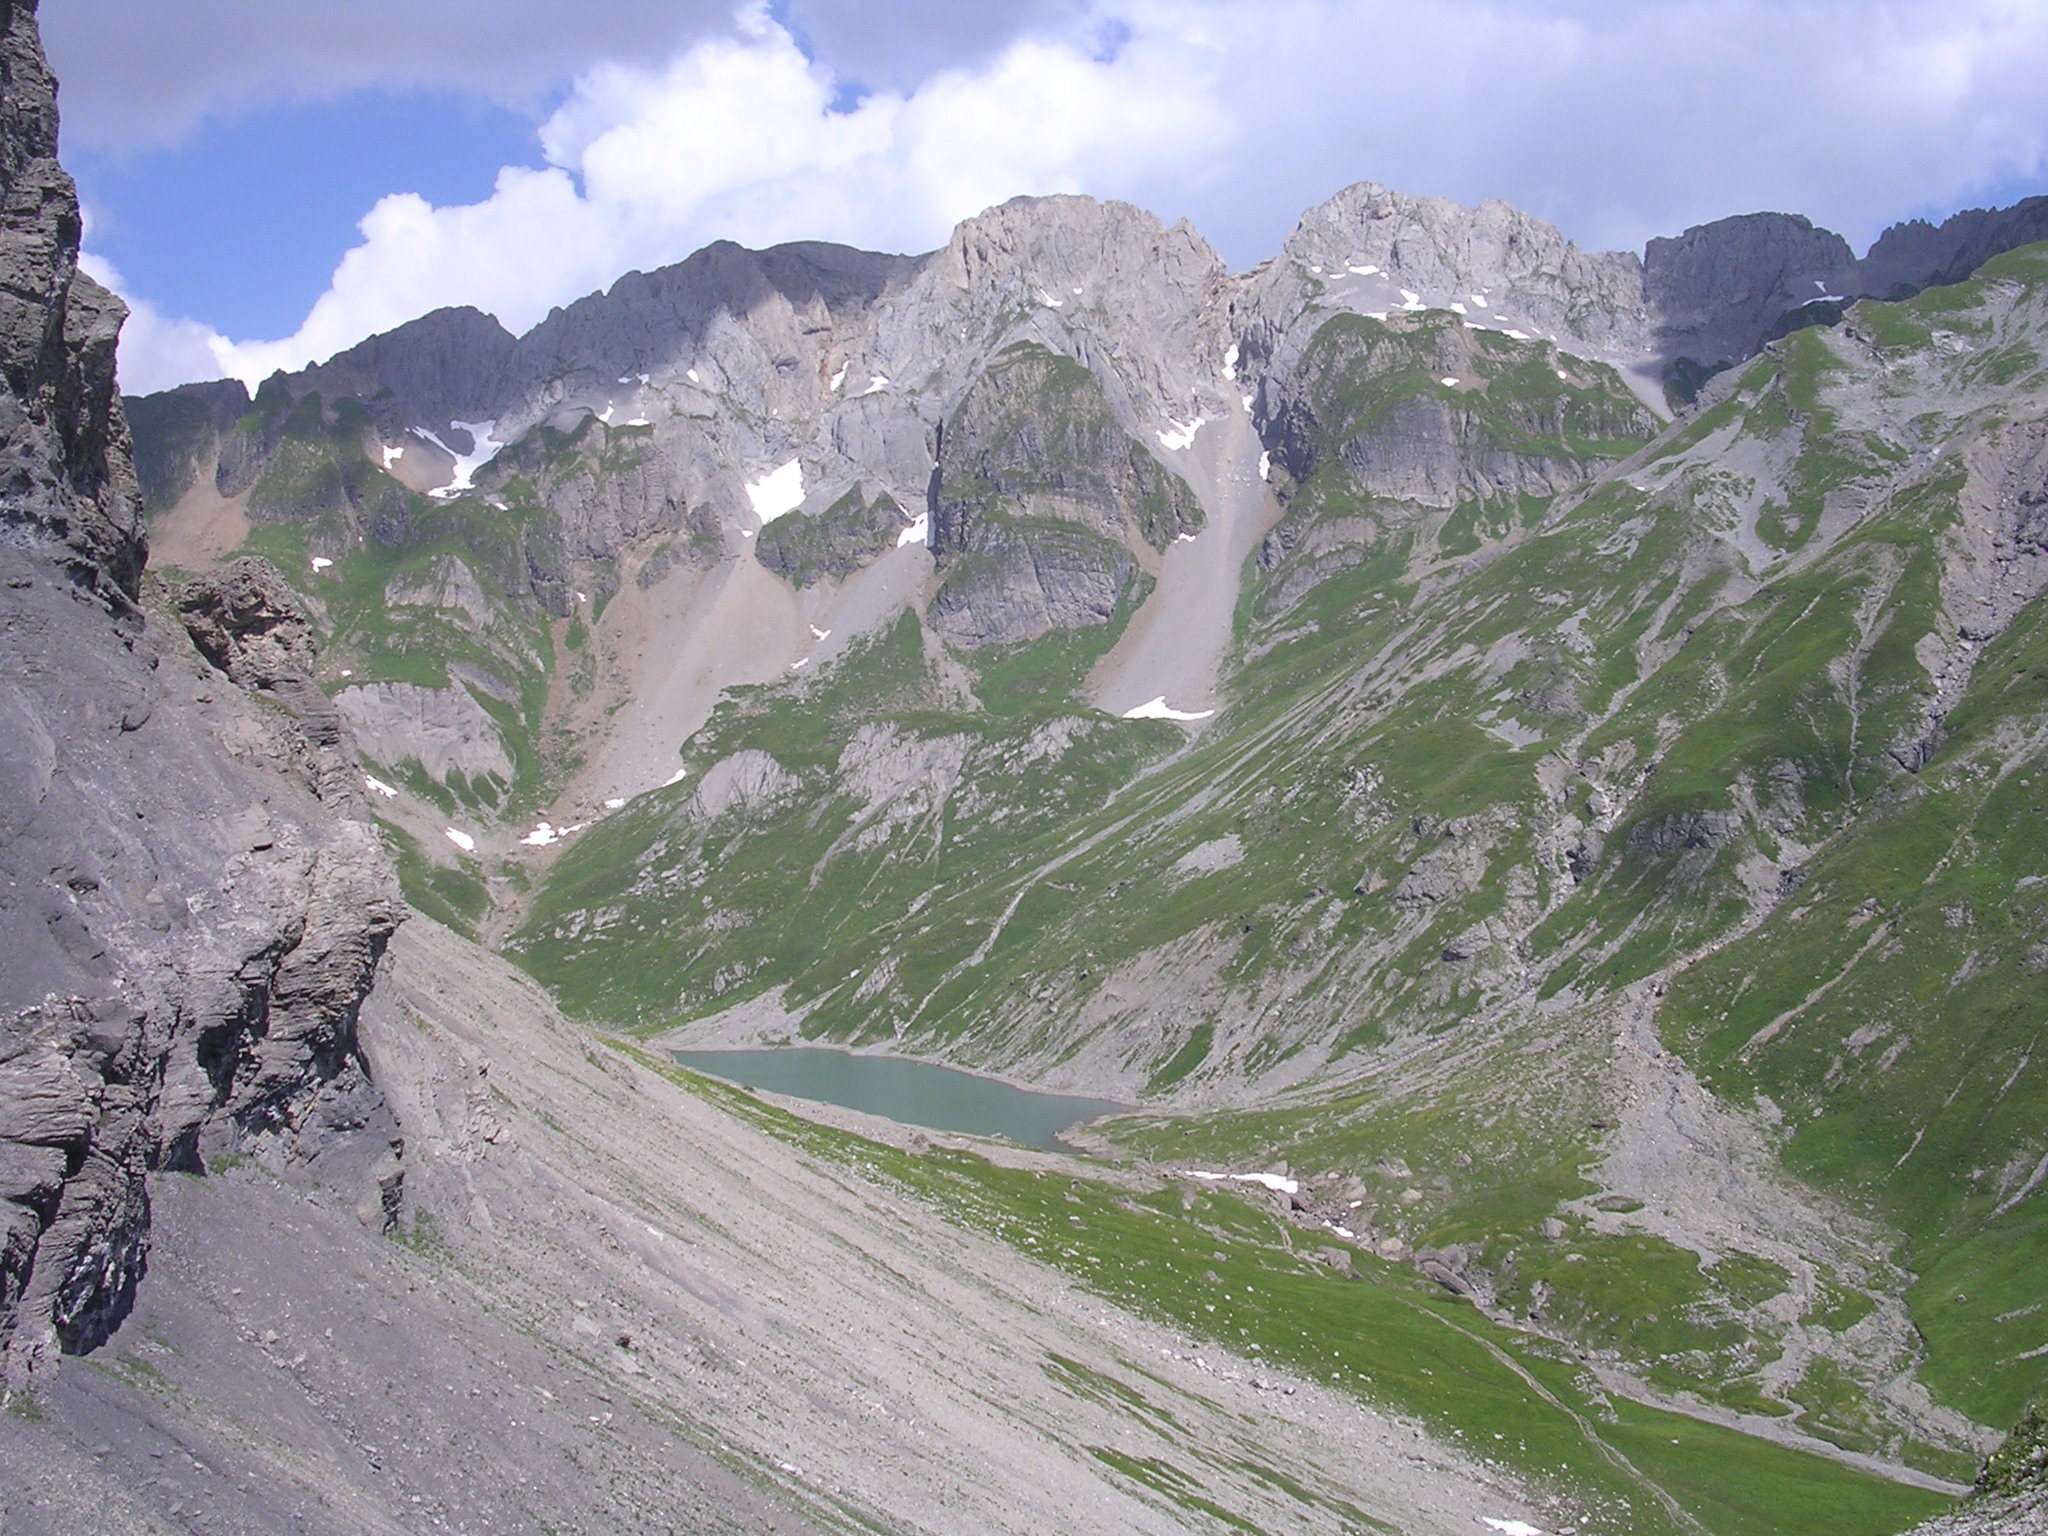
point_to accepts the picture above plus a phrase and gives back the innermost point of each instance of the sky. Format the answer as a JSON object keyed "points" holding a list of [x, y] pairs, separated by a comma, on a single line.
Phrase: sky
{"points": [[269, 181]]}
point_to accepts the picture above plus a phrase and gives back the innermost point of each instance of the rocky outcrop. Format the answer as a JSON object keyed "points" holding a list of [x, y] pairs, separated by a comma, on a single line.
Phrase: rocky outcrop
{"points": [[195, 907], [1915, 255], [178, 436], [192, 900], [833, 544], [1039, 498], [444, 730], [1719, 289], [2011, 1495], [69, 483], [1371, 250]]}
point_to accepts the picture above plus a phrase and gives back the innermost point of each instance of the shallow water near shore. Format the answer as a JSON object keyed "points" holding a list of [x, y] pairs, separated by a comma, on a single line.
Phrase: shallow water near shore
{"points": [[910, 1092]]}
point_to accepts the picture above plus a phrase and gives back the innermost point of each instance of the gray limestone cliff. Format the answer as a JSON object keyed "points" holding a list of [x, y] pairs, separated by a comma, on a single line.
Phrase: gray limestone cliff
{"points": [[1370, 250], [194, 897], [1720, 288], [1040, 502]]}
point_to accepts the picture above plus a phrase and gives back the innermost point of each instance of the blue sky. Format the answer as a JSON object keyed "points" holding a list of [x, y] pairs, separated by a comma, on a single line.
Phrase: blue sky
{"points": [[241, 223], [268, 181]]}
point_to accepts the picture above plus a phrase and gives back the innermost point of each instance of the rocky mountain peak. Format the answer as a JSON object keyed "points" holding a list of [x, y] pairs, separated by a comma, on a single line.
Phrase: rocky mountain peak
{"points": [[1916, 254], [1719, 288], [446, 366], [1373, 251], [663, 322], [1105, 283]]}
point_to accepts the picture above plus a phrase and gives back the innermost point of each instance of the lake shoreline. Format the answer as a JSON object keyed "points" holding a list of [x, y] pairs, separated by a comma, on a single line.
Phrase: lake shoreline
{"points": [[906, 1090]]}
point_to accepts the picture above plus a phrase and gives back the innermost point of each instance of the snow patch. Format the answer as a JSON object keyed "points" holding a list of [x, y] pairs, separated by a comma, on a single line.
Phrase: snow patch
{"points": [[674, 778], [615, 803], [1448, 382], [1367, 271], [1479, 299], [1457, 308], [1230, 362], [461, 840], [1376, 314], [321, 562], [541, 836], [691, 375], [1159, 709], [1273, 1181], [919, 531], [777, 493], [484, 448], [1048, 300], [1183, 433], [393, 455], [1513, 1527], [1515, 335], [800, 663], [838, 378], [1266, 465], [817, 633], [1411, 300], [879, 381], [377, 786]]}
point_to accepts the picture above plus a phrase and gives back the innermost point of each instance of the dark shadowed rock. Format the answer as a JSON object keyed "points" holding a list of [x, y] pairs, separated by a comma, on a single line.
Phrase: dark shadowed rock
{"points": [[446, 366], [178, 435], [68, 486], [1718, 289], [1915, 255]]}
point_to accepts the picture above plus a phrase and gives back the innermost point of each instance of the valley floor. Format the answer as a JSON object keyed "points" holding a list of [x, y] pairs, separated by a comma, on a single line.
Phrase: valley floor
{"points": [[619, 1300]]}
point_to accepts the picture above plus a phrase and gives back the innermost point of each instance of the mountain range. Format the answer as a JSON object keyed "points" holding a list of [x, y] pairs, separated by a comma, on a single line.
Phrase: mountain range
{"points": [[1517, 765]]}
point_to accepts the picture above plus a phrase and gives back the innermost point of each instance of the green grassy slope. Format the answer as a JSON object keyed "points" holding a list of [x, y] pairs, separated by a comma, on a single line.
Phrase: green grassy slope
{"points": [[1498, 771]]}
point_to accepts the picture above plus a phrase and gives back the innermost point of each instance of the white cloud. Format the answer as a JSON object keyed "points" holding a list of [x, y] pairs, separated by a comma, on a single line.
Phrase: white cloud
{"points": [[1620, 121], [141, 74], [1616, 120]]}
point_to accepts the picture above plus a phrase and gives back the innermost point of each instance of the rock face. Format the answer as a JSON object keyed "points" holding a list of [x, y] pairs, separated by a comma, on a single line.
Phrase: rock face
{"points": [[178, 436], [195, 901], [1371, 250], [69, 487], [1718, 289], [443, 729], [1721, 290], [196, 904], [1039, 499], [1915, 255]]}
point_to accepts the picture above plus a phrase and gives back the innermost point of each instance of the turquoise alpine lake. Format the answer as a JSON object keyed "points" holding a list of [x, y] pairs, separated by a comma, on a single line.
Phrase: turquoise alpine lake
{"points": [[910, 1092]]}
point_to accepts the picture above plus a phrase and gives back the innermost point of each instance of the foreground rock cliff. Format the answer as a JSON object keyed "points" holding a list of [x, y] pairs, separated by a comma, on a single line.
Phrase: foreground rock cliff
{"points": [[195, 899]]}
